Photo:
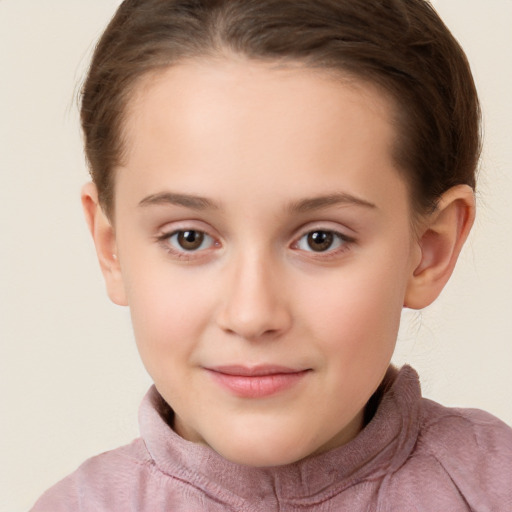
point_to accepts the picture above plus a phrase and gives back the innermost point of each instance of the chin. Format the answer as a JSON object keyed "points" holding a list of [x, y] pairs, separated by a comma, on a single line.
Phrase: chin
{"points": [[261, 460], [262, 454]]}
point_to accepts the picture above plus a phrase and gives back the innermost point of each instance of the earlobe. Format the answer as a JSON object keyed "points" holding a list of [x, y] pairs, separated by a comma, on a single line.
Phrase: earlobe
{"points": [[103, 234], [440, 241]]}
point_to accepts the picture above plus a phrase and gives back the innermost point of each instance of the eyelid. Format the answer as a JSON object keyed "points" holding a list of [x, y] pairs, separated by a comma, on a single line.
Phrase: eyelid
{"points": [[347, 241], [206, 238], [329, 226], [337, 241], [169, 230], [173, 228]]}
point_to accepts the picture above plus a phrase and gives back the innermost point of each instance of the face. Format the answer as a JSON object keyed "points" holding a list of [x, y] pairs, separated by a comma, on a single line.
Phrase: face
{"points": [[264, 239]]}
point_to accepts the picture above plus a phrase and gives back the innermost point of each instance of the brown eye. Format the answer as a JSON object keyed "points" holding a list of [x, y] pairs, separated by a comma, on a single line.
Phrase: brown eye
{"points": [[320, 241], [190, 240]]}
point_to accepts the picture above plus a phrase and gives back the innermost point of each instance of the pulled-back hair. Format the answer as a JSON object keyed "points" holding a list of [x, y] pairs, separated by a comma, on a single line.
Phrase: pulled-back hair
{"points": [[402, 46]]}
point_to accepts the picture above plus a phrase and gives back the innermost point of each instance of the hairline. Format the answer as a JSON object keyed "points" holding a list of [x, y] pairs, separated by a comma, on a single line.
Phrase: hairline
{"points": [[149, 77]]}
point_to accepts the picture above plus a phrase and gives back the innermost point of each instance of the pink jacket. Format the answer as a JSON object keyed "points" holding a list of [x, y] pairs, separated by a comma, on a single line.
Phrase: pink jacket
{"points": [[414, 455]]}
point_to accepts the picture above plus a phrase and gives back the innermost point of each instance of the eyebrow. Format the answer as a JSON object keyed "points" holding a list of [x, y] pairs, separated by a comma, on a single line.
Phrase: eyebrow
{"points": [[188, 201], [317, 203], [300, 206]]}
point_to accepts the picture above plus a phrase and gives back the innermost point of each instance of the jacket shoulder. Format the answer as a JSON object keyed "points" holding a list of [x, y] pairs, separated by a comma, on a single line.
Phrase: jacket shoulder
{"points": [[474, 450], [89, 487]]}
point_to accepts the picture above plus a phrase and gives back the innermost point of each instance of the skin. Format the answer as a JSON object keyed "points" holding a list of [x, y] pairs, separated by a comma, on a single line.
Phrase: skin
{"points": [[257, 157]]}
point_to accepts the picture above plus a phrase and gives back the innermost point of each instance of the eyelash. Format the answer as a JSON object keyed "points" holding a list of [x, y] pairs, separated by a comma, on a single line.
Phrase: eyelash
{"points": [[165, 241], [343, 242]]}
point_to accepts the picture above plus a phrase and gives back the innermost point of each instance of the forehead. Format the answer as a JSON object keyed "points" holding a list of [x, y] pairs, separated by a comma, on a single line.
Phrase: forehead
{"points": [[257, 91], [203, 124]]}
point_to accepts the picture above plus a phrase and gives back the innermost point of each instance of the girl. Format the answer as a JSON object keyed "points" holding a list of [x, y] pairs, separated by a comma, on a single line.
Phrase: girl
{"points": [[273, 181]]}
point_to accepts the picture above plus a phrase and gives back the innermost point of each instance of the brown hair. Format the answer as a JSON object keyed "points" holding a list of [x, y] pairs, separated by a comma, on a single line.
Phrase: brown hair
{"points": [[399, 45]]}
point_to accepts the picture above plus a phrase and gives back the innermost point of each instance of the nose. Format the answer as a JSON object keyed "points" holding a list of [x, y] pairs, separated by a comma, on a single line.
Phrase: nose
{"points": [[255, 302]]}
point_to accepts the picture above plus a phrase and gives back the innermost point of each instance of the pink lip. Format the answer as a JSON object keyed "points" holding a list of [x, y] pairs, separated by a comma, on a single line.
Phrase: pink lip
{"points": [[257, 381]]}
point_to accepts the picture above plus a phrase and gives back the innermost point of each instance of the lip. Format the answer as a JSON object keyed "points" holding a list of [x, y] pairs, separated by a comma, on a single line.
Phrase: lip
{"points": [[256, 381]]}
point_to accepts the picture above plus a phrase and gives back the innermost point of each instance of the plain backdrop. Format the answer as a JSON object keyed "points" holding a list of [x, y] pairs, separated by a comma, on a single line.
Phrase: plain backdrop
{"points": [[70, 377]]}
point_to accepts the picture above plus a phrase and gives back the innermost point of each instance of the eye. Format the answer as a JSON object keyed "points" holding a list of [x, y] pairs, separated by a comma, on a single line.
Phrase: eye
{"points": [[321, 241], [190, 240]]}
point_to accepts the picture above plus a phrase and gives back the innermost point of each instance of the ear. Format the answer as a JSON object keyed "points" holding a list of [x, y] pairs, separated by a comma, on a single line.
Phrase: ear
{"points": [[104, 237], [440, 241]]}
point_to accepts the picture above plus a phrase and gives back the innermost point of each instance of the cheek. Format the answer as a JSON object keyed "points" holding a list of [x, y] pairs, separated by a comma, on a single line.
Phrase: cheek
{"points": [[357, 312], [167, 314]]}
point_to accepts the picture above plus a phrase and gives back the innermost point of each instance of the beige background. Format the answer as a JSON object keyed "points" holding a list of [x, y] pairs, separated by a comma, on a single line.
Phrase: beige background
{"points": [[70, 379]]}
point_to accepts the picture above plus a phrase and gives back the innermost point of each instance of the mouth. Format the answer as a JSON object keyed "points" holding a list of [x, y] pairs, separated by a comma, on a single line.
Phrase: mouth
{"points": [[256, 381]]}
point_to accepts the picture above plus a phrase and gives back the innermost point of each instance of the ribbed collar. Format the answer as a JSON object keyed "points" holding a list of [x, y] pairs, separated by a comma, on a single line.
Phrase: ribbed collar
{"points": [[382, 446]]}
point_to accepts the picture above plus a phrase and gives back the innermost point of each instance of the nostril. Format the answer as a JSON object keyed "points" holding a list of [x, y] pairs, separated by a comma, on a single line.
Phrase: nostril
{"points": [[255, 327]]}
